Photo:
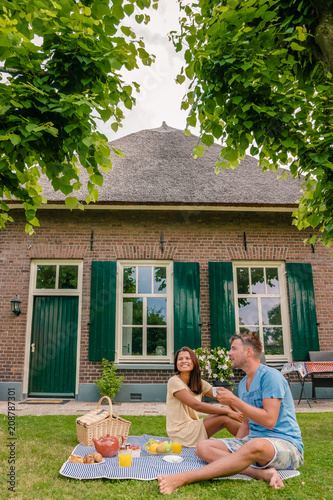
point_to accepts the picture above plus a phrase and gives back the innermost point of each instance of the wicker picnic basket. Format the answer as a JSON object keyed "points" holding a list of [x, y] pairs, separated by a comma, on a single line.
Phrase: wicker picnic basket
{"points": [[100, 422]]}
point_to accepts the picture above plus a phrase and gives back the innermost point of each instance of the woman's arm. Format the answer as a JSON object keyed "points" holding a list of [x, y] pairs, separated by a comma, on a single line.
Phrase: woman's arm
{"points": [[185, 397], [244, 429]]}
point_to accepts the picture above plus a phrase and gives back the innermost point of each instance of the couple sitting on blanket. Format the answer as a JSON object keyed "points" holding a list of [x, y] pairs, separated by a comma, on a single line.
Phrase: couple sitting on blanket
{"points": [[262, 419]]}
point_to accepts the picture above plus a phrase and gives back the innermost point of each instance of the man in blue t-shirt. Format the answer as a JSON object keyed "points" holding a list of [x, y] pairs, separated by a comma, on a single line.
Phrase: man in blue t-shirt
{"points": [[269, 437]]}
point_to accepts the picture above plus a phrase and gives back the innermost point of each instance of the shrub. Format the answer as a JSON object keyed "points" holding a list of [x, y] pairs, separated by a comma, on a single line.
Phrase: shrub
{"points": [[109, 384], [215, 363]]}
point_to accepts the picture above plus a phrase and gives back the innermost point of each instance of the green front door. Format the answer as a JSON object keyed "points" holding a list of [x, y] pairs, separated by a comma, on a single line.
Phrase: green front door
{"points": [[53, 346]]}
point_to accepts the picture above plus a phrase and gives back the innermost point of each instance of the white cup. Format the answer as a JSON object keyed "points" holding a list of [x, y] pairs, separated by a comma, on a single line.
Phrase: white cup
{"points": [[214, 389]]}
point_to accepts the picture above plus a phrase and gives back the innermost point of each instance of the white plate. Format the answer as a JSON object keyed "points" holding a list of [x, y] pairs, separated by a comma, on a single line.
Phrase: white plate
{"points": [[173, 459]]}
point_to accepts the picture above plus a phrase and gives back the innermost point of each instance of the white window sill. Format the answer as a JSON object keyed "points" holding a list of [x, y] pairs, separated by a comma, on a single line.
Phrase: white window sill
{"points": [[143, 366]]}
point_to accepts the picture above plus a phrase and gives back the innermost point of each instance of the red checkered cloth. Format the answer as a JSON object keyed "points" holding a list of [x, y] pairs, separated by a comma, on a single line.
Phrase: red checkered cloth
{"points": [[304, 368], [319, 366]]}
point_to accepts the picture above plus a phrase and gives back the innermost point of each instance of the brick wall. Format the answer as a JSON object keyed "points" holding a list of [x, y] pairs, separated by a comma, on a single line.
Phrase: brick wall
{"points": [[188, 236]]}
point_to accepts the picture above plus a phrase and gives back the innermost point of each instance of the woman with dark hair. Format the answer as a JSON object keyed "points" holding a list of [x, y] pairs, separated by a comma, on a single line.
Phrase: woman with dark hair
{"points": [[184, 393]]}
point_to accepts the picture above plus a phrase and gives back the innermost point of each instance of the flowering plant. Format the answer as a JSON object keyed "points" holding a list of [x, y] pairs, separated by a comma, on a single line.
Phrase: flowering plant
{"points": [[215, 363]]}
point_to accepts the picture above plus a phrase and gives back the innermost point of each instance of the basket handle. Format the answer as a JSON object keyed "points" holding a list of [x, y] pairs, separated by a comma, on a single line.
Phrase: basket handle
{"points": [[110, 403]]}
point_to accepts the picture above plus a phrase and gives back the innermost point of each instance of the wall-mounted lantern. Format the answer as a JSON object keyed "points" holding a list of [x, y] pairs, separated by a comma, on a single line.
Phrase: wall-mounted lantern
{"points": [[16, 306]]}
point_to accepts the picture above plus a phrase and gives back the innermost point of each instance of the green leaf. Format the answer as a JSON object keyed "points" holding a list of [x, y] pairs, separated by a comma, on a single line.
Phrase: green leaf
{"points": [[296, 46], [243, 143], [105, 114], [14, 139], [88, 141], [180, 79], [139, 18], [126, 30], [199, 151], [207, 139], [230, 154], [118, 152], [97, 179], [71, 202], [129, 9], [217, 131], [29, 229], [34, 221], [319, 157], [237, 99]]}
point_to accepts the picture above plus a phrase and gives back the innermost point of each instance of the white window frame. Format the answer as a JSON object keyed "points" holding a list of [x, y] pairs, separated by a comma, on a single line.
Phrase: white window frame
{"points": [[56, 290], [283, 295], [119, 357]]}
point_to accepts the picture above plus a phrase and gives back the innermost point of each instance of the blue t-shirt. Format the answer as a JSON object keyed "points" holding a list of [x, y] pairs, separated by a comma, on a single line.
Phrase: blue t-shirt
{"points": [[270, 383]]}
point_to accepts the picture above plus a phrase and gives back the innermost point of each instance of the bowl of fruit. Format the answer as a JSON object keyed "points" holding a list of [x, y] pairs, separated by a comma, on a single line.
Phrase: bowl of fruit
{"points": [[157, 447]]}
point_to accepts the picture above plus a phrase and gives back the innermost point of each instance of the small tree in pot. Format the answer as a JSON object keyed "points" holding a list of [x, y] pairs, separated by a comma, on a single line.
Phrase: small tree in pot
{"points": [[109, 384]]}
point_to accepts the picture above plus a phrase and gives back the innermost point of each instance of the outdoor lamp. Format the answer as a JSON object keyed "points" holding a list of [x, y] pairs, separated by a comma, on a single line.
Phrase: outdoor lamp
{"points": [[15, 303]]}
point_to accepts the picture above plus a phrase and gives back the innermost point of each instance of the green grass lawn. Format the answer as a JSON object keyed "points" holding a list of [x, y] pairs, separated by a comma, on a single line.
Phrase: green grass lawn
{"points": [[43, 444]]}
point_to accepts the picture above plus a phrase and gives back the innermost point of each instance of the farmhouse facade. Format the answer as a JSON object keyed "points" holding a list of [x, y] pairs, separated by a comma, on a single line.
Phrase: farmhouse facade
{"points": [[172, 254]]}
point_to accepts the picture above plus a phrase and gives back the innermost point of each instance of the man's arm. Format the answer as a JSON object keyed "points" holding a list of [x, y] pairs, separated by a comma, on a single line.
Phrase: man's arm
{"points": [[185, 397], [266, 416]]}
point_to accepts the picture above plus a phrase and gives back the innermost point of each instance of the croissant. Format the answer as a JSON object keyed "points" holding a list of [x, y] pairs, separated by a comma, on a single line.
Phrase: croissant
{"points": [[97, 457], [88, 459], [75, 459]]}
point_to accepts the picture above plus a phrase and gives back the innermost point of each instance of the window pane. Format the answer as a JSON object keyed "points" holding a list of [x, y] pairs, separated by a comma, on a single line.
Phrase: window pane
{"points": [[271, 311], [156, 311], [132, 341], [273, 341], [156, 341], [46, 276], [68, 276], [144, 279], [272, 280], [132, 311], [129, 279], [160, 284], [258, 280], [248, 311], [243, 283]]}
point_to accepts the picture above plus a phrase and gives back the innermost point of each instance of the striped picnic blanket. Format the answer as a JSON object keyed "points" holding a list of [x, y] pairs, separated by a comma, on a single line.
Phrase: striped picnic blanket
{"points": [[144, 468]]}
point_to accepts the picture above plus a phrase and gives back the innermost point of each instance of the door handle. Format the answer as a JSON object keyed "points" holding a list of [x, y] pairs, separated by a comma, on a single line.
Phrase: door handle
{"points": [[32, 347]]}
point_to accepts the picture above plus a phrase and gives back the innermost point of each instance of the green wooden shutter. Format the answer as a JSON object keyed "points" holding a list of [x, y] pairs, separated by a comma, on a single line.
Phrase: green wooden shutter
{"points": [[222, 303], [187, 331], [102, 311], [303, 317]]}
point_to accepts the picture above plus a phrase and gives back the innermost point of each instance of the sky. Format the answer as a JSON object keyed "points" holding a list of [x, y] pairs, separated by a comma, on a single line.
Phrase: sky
{"points": [[160, 97]]}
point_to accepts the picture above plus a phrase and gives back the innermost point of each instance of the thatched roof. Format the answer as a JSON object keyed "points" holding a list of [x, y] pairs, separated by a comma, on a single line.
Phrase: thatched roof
{"points": [[158, 168]]}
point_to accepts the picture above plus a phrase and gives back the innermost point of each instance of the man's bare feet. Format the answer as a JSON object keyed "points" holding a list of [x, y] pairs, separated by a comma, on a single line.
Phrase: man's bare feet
{"points": [[168, 484], [272, 476]]}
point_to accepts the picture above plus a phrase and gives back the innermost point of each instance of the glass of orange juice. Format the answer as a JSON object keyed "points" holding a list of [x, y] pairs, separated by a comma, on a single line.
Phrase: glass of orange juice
{"points": [[176, 447], [125, 458]]}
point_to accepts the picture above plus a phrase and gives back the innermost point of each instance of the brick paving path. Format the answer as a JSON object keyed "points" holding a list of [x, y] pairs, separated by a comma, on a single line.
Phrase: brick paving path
{"points": [[138, 408]]}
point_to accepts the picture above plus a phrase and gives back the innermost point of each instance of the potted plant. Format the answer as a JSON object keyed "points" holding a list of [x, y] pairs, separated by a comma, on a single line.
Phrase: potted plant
{"points": [[215, 364], [109, 384]]}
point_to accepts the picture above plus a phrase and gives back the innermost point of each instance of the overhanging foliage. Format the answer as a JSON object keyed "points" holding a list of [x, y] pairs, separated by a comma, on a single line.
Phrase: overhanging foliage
{"points": [[61, 63], [261, 80]]}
